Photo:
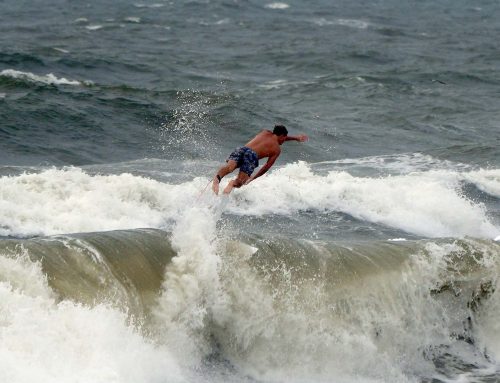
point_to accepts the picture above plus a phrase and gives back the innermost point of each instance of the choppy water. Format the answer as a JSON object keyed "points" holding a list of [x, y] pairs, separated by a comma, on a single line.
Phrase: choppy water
{"points": [[368, 254]]}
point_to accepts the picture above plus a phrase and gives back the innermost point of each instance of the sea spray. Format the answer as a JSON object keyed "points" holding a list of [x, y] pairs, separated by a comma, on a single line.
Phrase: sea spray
{"points": [[19, 273], [192, 287], [287, 320], [307, 313]]}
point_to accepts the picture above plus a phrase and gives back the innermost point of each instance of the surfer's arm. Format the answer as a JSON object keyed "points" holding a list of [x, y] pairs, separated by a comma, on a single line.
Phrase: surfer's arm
{"points": [[271, 160], [300, 138]]}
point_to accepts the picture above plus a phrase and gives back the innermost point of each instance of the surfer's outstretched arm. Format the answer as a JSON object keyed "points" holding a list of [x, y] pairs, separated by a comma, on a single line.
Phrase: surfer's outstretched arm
{"points": [[264, 169], [300, 138]]}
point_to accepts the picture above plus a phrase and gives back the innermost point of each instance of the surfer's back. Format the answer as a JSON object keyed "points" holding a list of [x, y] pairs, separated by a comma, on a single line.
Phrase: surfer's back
{"points": [[265, 144]]}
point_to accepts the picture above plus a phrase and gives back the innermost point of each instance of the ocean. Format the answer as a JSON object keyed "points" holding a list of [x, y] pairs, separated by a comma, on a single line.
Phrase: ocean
{"points": [[370, 253]]}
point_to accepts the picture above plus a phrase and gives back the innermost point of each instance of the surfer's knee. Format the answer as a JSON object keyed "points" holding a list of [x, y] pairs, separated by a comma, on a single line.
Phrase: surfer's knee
{"points": [[237, 183]]}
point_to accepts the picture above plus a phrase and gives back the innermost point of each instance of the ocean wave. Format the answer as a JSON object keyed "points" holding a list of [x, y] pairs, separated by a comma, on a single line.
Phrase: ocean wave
{"points": [[352, 23], [281, 83], [255, 307], [62, 338], [48, 79], [94, 27], [90, 268], [371, 305], [153, 5], [486, 180], [70, 200], [132, 19], [277, 6], [395, 164], [428, 203]]}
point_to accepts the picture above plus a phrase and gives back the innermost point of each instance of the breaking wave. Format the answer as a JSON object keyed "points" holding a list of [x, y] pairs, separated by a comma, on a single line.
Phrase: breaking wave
{"points": [[426, 203], [48, 79], [194, 306]]}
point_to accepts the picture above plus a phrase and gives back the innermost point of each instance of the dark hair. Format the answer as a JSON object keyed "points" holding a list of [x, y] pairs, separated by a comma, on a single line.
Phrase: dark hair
{"points": [[280, 130]]}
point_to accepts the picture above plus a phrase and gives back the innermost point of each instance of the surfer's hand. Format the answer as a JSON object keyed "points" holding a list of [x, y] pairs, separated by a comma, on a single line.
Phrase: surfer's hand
{"points": [[302, 138]]}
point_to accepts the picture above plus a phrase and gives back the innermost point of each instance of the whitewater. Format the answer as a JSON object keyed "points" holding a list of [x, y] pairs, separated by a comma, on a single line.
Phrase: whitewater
{"points": [[428, 203], [162, 288], [369, 254]]}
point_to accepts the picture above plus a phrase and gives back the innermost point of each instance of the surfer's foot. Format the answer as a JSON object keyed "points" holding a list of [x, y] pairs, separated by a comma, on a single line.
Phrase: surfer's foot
{"points": [[229, 187], [215, 185]]}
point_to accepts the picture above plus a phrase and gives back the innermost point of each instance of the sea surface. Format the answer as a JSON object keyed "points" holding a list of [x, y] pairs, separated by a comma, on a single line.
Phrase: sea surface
{"points": [[368, 254]]}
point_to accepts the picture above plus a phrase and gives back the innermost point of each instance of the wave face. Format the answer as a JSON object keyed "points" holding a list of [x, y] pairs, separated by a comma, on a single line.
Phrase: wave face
{"points": [[146, 305], [50, 338]]}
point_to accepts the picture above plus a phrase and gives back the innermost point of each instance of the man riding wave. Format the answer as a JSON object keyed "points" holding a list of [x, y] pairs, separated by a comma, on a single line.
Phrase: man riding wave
{"points": [[266, 144]]}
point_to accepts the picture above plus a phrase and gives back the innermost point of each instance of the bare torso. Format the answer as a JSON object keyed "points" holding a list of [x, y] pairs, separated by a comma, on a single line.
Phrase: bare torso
{"points": [[265, 144]]}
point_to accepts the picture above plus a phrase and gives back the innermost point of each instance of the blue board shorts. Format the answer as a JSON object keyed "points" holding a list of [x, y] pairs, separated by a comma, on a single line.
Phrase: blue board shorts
{"points": [[246, 159]]}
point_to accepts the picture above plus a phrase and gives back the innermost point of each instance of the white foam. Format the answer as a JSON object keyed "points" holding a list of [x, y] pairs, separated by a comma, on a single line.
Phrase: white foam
{"points": [[487, 180], [488, 309], [280, 83], [274, 84], [133, 19], [403, 163], [154, 5], [359, 24], [69, 200], [60, 50], [277, 325], [20, 274], [94, 27], [271, 323], [222, 21], [352, 23], [277, 6], [218, 22], [45, 341], [191, 285], [49, 79], [427, 203]]}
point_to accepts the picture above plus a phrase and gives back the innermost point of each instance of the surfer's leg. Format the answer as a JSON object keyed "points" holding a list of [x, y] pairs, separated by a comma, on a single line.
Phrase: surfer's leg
{"points": [[237, 182], [223, 171]]}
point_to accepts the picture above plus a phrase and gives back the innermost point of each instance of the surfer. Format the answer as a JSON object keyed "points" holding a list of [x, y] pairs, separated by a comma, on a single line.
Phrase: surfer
{"points": [[266, 144]]}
